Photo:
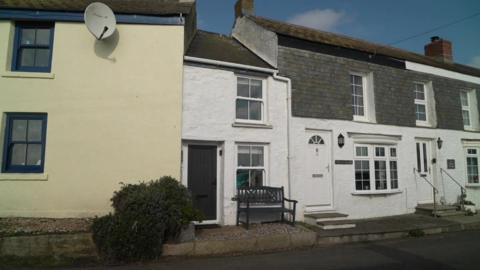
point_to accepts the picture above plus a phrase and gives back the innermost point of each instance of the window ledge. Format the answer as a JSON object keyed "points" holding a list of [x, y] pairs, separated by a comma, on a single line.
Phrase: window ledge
{"points": [[251, 125], [374, 193], [472, 186], [422, 124], [23, 177], [33, 75]]}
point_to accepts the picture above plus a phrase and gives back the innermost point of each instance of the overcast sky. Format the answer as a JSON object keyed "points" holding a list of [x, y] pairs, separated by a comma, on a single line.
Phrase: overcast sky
{"points": [[380, 21]]}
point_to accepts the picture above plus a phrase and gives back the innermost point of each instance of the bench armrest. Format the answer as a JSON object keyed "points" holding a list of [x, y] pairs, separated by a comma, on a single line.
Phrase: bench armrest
{"points": [[288, 200]]}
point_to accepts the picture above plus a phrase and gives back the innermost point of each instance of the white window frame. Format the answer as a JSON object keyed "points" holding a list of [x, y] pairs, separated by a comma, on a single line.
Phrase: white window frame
{"points": [[261, 100], [466, 108], [264, 168], [364, 117], [476, 155], [371, 158], [422, 102]]}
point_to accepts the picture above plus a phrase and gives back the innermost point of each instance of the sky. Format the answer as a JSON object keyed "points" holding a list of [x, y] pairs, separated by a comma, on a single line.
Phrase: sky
{"points": [[379, 21]]}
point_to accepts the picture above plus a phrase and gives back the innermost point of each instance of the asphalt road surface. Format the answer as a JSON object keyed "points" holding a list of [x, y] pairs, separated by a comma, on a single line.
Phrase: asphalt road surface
{"points": [[446, 251]]}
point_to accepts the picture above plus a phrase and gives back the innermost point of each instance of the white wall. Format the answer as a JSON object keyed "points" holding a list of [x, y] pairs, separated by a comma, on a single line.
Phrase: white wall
{"points": [[208, 114], [365, 206]]}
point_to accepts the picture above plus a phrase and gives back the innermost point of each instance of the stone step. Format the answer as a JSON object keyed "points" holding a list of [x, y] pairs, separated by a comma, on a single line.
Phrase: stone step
{"points": [[430, 207], [315, 218], [336, 224], [449, 213]]}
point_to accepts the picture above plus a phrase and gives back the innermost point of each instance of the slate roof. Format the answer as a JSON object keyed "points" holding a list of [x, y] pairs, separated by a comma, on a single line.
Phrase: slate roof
{"points": [[313, 35], [144, 7], [223, 48]]}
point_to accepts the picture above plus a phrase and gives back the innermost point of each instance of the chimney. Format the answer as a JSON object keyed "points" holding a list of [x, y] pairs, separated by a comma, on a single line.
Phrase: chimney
{"points": [[439, 49], [244, 8]]}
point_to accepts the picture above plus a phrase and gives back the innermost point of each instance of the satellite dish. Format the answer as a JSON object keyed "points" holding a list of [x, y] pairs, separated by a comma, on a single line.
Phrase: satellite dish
{"points": [[100, 20]]}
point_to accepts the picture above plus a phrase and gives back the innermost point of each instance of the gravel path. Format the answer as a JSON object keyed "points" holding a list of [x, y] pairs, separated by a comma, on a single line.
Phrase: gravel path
{"points": [[234, 232], [36, 226]]}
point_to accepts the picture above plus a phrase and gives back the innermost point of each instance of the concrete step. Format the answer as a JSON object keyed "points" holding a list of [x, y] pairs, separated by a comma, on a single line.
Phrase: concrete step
{"points": [[314, 218], [439, 210], [336, 224], [449, 213]]}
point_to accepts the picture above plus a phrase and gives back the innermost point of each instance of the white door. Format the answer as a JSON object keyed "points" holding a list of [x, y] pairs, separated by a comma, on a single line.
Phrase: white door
{"points": [[424, 171], [318, 185]]}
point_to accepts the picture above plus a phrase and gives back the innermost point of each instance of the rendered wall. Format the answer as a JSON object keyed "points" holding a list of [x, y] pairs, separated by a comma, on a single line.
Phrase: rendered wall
{"points": [[208, 115], [114, 115]]}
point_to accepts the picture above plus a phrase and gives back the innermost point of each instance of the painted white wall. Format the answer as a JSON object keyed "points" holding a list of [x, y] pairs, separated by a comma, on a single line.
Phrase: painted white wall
{"points": [[366, 206], [208, 115]]}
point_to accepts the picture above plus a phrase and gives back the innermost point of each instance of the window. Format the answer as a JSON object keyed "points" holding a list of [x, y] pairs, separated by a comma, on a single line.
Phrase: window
{"points": [[382, 161], [465, 108], [250, 99], [420, 103], [357, 84], [33, 47], [24, 148], [250, 166], [472, 166]]}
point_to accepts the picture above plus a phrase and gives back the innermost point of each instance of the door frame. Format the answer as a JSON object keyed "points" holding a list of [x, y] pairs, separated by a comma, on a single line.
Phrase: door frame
{"points": [[321, 132], [432, 151], [184, 176]]}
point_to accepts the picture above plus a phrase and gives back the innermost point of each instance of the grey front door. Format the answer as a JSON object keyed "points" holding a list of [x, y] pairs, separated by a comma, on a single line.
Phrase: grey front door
{"points": [[202, 178]]}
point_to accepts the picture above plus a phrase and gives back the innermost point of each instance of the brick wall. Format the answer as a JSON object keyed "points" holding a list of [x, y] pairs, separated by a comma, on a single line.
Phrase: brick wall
{"points": [[321, 89]]}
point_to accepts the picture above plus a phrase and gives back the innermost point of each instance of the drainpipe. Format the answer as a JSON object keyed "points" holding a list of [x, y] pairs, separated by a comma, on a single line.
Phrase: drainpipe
{"points": [[289, 157]]}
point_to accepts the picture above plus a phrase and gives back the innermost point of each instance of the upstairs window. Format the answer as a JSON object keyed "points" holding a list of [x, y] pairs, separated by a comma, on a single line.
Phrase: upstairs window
{"points": [[250, 100], [32, 50], [420, 103], [464, 100], [24, 147], [357, 84]]}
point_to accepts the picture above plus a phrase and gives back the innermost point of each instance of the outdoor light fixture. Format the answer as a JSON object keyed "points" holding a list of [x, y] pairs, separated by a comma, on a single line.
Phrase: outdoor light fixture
{"points": [[341, 140], [439, 143]]}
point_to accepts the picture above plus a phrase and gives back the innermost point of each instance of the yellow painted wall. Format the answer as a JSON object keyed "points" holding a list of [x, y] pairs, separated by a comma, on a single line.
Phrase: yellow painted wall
{"points": [[114, 115]]}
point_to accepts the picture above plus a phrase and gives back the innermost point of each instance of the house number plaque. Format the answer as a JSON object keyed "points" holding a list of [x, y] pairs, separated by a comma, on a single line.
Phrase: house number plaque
{"points": [[451, 164], [344, 162]]}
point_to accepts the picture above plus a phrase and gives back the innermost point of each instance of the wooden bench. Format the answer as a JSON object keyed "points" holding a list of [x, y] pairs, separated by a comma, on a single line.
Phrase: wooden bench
{"points": [[264, 199]]}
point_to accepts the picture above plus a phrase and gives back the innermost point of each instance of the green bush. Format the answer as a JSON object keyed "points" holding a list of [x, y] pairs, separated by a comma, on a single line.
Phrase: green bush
{"points": [[145, 216]]}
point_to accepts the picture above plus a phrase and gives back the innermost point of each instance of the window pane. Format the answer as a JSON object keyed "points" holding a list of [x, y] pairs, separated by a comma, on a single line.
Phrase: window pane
{"points": [[255, 88], [43, 37], [362, 151], [255, 110], [34, 154], [357, 79], [419, 91], [242, 109], [464, 98], [420, 112], [472, 151], [244, 156], [393, 152], [419, 163], [380, 175], [19, 130], [34, 130], [242, 178], [256, 178], [424, 157], [28, 37], [18, 154], [27, 57], [466, 117], [380, 151], [242, 87], [42, 58], [257, 156], [472, 170], [362, 175], [393, 175]]}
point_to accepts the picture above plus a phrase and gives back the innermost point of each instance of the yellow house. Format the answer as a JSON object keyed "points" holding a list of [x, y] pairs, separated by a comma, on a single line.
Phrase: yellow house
{"points": [[78, 115]]}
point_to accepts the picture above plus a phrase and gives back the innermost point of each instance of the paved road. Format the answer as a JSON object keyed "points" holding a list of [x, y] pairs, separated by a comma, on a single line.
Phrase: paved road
{"points": [[446, 251]]}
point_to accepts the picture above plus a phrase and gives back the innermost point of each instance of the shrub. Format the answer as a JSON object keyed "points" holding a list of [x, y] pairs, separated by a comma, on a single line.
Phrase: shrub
{"points": [[145, 216]]}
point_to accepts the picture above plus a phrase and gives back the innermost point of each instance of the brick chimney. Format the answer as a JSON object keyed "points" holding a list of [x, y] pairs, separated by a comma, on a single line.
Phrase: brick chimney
{"points": [[439, 49], [244, 8]]}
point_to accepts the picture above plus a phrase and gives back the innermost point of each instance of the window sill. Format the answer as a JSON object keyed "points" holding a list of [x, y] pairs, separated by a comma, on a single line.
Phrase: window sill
{"points": [[472, 186], [423, 124], [251, 125], [375, 193], [23, 177], [32, 75], [361, 119]]}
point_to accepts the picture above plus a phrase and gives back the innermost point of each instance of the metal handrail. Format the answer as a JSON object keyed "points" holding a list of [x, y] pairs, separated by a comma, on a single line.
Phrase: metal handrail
{"points": [[435, 190], [463, 190]]}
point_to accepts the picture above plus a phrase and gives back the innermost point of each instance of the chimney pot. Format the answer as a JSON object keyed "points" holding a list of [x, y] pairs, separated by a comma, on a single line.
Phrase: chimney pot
{"points": [[440, 49], [244, 8]]}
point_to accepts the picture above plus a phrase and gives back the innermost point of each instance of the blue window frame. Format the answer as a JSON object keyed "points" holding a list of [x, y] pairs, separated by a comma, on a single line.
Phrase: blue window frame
{"points": [[24, 148], [33, 44]]}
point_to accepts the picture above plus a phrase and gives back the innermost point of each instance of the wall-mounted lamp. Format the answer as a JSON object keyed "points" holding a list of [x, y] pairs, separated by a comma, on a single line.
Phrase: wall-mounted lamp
{"points": [[341, 140], [439, 143]]}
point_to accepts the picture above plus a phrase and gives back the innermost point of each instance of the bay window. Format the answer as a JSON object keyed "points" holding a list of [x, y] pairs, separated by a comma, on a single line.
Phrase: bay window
{"points": [[376, 168]]}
